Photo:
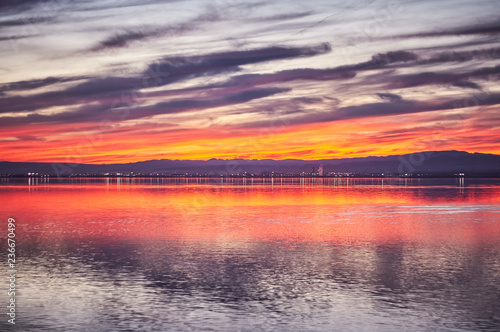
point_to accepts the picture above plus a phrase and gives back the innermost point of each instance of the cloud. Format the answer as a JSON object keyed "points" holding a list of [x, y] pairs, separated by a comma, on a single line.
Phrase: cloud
{"points": [[285, 17], [124, 39], [105, 85], [490, 28], [394, 106], [173, 69], [99, 111], [19, 5], [467, 84], [186, 105], [390, 97], [485, 72], [102, 94], [121, 39], [383, 59], [29, 138], [345, 7], [405, 107], [426, 78], [462, 56], [248, 95], [89, 91], [25, 21], [284, 76], [37, 83], [166, 71], [378, 61], [14, 37], [430, 78]]}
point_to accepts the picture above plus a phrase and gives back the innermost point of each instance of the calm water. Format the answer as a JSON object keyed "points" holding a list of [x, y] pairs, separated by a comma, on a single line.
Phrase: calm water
{"points": [[235, 255]]}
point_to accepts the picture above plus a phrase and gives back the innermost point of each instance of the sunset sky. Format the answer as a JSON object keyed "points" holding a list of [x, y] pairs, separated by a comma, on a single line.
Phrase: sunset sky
{"points": [[125, 81]]}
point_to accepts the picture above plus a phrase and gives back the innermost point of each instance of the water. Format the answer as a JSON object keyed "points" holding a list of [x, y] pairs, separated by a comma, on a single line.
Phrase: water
{"points": [[242, 255]]}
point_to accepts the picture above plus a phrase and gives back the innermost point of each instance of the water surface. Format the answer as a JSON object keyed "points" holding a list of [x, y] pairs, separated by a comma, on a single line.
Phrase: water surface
{"points": [[159, 254]]}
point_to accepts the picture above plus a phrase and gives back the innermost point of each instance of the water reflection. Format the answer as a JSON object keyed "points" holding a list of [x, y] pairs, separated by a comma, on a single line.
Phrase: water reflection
{"points": [[171, 257]]}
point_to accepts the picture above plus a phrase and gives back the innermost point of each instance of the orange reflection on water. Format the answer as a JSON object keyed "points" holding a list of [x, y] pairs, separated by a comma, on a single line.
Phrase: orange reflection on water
{"points": [[238, 214]]}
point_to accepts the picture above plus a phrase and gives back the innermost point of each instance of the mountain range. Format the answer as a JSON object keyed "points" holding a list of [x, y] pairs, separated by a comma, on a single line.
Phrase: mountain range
{"points": [[422, 163]]}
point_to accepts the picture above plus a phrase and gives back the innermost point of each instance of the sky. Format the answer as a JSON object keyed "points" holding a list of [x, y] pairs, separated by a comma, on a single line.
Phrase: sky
{"points": [[124, 81]]}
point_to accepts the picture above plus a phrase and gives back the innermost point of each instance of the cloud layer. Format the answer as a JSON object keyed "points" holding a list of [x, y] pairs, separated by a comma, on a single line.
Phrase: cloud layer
{"points": [[251, 79]]}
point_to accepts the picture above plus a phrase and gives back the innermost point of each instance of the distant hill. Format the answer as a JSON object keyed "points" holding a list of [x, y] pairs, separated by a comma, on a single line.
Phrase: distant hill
{"points": [[426, 163]]}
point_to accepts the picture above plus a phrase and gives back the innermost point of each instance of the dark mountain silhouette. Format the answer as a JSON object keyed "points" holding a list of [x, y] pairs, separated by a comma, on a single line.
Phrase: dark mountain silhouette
{"points": [[426, 163]]}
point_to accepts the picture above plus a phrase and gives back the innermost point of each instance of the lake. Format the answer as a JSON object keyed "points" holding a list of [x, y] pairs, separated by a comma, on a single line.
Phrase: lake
{"points": [[161, 254]]}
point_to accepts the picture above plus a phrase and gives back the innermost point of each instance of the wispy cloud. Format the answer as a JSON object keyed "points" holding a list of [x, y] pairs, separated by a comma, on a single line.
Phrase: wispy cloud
{"points": [[25, 21], [390, 97], [395, 105], [467, 84], [163, 72], [97, 112], [179, 68], [105, 90], [212, 13], [123, 39], [232, 68], [37, 83], [19, 5], [490, 28], [461, 56]]}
